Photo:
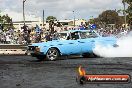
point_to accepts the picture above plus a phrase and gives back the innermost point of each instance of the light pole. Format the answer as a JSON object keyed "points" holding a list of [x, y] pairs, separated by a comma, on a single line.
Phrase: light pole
{"points": [[24, 11], [124, 12], [43, 18], [74, 18]]}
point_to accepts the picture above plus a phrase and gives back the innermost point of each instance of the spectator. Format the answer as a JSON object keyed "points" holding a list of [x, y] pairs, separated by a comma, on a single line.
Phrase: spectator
{"points": [[48, 37], [8, 39], [20, 39]]}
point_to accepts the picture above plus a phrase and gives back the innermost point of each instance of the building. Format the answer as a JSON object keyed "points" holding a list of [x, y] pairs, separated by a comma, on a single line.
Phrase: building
{"points": [[71, 22], [19, 24]]}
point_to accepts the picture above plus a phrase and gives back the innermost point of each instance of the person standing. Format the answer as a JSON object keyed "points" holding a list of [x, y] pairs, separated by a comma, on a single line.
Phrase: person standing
{"points": [[20, 39], [8, 39]]}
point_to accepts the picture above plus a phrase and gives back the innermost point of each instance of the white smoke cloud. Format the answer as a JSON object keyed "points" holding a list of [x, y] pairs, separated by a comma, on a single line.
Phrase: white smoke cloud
{"points": [[124, 49]]}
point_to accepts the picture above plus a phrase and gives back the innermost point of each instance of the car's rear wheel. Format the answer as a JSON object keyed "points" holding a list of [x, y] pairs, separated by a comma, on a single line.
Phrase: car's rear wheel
{"points": [[86, 55], [52, 54], [95, 55], [91, 55]]}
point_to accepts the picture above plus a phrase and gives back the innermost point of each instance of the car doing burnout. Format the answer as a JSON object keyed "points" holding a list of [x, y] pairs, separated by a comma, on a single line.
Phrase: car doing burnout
{"points": [[73, 42]]}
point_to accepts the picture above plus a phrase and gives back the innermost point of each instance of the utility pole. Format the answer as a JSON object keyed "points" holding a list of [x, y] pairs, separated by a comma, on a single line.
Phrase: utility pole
{"points": [[124, 12], [24, 11], [43, 17], [74, 17]]}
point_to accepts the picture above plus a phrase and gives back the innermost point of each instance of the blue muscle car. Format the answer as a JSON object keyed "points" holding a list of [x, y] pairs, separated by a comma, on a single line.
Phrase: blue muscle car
{"points": [[74, 42]]}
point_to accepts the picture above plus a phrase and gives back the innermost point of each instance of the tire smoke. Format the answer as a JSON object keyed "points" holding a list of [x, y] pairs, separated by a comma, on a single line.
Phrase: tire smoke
{"points": [[124, 49]]}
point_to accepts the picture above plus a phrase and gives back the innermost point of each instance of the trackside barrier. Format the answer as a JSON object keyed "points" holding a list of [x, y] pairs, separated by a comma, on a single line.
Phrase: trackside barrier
{"points": [[12, 51], [15, 49]]}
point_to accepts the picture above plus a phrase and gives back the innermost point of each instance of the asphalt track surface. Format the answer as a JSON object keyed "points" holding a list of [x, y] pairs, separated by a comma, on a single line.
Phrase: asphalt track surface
{"points": [[27, 72]]}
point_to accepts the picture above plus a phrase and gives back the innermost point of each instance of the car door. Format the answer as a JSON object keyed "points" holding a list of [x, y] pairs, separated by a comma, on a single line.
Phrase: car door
{"points": [[73, 47], [87, 41], [86, 45], [73, 44], [69, 47]]}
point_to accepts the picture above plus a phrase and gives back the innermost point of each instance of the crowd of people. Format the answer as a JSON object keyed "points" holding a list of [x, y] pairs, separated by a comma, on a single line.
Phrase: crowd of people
{"points": [[115, 32], [11, 36], [25, 35]]}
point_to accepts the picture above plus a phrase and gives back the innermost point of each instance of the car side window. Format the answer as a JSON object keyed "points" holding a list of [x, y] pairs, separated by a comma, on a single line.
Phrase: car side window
{"points": [[85, 35], [68, 38], [92, 35], [62, 36], [73, 36]]}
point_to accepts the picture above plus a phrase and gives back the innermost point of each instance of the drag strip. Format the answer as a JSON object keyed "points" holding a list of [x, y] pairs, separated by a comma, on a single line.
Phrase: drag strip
{"points": [[28, 72]]}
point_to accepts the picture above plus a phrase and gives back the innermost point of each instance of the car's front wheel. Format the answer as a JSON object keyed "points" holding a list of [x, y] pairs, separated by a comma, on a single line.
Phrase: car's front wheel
{"points": [[52, 54]]}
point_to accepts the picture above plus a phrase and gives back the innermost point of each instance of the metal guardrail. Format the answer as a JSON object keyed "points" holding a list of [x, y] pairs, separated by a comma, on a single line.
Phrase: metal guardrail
{"points": [[13, 49]]}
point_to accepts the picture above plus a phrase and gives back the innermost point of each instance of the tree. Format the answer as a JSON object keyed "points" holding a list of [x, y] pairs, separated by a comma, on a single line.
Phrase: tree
{"points": [[110, 17], [129, 10], [6, 21], [51, 18]]}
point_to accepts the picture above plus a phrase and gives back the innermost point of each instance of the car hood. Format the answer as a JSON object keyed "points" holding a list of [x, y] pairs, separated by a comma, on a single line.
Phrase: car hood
{"points": [[48, 43]]}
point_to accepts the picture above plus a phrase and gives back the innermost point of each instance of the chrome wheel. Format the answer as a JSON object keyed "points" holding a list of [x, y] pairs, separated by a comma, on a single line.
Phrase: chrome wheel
{"points": [[52, 54]]}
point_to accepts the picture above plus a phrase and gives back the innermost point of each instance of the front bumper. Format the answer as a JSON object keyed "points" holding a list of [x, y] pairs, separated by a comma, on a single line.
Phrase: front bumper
{"points": [[34, 51], [35, 54]]}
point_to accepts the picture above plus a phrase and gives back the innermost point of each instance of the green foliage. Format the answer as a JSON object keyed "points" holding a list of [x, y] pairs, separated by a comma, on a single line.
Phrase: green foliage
{"points": [[51, 18], [129, 9], [6, 21], [91, 21], [110, 17]]}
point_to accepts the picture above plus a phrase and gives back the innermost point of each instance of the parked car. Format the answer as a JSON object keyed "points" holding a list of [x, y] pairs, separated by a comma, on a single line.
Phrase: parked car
{"points": [[73, 42]]}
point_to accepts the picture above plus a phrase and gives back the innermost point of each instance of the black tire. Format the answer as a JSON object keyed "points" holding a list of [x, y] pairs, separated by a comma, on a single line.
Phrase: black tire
{"points": [[52, 54], [41, 58], [95, 55], [90, 55], [86, 55]]}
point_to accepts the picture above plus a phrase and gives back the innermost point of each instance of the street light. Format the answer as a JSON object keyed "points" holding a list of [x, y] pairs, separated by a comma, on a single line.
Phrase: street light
{"points": [[24, 11], [74, 17]]}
